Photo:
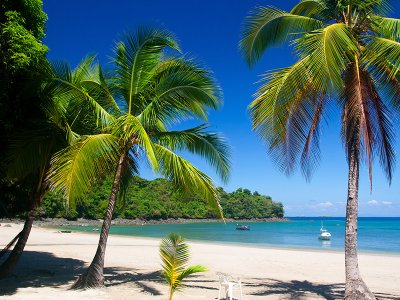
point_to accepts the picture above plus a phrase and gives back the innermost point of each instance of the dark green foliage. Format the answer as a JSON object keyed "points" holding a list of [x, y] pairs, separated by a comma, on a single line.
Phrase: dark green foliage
{"points": [[22, 58], [30, 10], [157, 199], [53, 207], [20, 48], [242, 204], [22, 27]]}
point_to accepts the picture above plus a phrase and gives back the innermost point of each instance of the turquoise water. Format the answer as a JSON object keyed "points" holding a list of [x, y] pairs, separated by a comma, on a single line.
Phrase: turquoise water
{"points": [[374, 234]]}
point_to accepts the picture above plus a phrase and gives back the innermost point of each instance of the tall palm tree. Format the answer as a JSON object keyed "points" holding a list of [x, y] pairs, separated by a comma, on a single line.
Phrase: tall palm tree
{"points": [[31, 150], [150, 91], [348, 54]]}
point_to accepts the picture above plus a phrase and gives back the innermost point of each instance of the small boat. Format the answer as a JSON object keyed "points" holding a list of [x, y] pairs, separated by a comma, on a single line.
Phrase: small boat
{"points": [[324, 234], [242, 227]]}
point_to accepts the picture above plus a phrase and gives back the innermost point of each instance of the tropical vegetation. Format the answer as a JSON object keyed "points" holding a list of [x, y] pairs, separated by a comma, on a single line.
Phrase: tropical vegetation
{"points": [[159, 200], [348, 55], [22, 56], [30, 150], [175, 254], [136, 104], [22, 71]]}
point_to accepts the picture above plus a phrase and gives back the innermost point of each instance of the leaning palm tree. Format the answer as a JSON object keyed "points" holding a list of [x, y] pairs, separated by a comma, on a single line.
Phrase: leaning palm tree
{"points": [[150, 92], [348, 54], [31, 153], [30, 150], [175, 255]]}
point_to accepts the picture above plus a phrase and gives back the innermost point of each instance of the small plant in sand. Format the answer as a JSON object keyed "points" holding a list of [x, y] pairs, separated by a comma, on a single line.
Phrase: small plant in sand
{"points": [[175, 255]]}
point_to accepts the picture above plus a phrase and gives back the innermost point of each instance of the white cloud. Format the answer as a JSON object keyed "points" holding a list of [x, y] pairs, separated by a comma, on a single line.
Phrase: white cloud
{"points": [[326, 204], [378, 203], [373, 203]]}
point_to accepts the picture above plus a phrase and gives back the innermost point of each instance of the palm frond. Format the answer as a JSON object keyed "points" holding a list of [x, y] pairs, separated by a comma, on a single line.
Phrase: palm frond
{"points": [[189, 271], [382, 52], [136, 58], [366, 120], [83, 70], [329, 50], [274, 98], [94, 82], [131, 132], [30, 151], [311, 152], [180, 90], [174, 253], [386, 79], [71, 97], [309, 8], [75, 168], [196, 140], [187, 178], [386, 27], [287, 113], [269, 26], [56, 115], [369, 7]]}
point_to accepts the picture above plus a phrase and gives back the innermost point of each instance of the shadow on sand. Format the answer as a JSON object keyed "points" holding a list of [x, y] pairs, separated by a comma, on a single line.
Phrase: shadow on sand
{"points": [[39, 269], [145, 281], [295, 289], [118, 276], [43, 269]]}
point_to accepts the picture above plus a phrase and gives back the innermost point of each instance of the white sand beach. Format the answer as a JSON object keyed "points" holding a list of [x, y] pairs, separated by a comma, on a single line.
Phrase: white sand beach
{"points": [[52, 260]]}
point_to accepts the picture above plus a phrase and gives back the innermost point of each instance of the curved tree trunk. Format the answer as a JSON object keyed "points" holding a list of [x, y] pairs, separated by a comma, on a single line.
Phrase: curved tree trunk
{"points": [[93, 276], [10, 244], [8, 265], [355, 289]]}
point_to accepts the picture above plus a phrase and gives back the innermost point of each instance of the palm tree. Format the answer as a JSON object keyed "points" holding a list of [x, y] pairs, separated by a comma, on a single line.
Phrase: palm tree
{"points": [[32, 157], [175, 255], [349, 55], [31, 150], [150, 91]]}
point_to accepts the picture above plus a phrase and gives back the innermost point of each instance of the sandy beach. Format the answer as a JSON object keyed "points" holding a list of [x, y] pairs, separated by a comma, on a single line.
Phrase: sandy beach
{"points": [[53, 260]]}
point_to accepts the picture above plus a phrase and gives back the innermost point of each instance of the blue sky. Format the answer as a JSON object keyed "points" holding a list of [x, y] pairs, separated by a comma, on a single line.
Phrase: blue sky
{"points": [[209, 31]]}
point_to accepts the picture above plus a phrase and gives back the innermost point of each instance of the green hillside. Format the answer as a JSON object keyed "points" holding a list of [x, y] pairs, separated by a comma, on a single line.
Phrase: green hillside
{"points": [[157, 199]]}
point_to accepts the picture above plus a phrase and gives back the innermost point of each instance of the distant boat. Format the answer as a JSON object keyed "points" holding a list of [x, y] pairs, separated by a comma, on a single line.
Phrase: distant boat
{"points": [[324, 234], [242, 227]]}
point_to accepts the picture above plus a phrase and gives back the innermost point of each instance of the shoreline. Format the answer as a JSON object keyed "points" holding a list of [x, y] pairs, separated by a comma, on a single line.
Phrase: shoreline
{"points": [[59, 223], [121, 222], [53, 260], [242, 245]]}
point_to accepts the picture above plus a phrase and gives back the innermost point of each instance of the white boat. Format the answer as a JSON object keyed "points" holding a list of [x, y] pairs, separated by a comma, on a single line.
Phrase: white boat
{"points": [[324, 234]]}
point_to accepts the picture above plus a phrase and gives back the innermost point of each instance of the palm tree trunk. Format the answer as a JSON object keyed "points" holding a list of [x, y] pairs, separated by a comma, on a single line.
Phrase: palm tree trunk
{"points": [[93, 276], [355, 289], [9, 264]]}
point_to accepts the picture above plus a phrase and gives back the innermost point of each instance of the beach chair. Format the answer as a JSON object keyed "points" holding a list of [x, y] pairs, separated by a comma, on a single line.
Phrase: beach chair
{"points": [[228, 282]]}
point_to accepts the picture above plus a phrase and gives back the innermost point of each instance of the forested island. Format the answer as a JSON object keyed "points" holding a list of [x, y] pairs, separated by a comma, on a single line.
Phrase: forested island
{"points": [[158, 200]]}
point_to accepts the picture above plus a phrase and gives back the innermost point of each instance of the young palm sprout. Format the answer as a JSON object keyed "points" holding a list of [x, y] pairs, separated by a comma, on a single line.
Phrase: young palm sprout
{"points": [[175, 255]]}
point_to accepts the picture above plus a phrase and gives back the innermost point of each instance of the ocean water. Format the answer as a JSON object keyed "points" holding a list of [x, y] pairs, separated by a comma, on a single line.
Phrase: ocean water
{"points": [[374, 234]]}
